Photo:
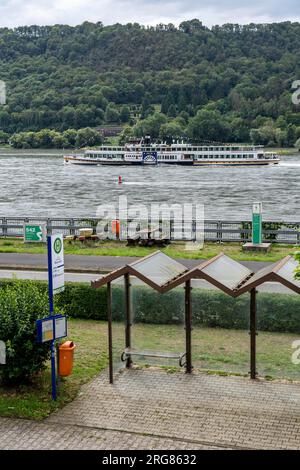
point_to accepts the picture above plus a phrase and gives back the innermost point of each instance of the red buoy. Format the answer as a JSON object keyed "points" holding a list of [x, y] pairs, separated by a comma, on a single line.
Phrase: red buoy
{"points": [[120, 180]]}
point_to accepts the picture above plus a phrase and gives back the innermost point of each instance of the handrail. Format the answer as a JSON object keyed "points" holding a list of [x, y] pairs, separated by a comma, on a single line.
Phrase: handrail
{"points": [[214, 230]]}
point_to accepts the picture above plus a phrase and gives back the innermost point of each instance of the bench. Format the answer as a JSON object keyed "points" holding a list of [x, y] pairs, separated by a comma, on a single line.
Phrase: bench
{"points": [[129, 352], [160, 241], [133, 240]]}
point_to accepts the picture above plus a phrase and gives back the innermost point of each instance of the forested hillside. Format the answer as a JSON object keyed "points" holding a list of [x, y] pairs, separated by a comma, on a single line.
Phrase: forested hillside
{"points": [[227, 83]]}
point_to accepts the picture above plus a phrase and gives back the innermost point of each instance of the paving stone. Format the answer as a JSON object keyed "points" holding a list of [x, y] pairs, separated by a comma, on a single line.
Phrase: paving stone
{"points": [[153, 409], [229, 411], [17, 434]]}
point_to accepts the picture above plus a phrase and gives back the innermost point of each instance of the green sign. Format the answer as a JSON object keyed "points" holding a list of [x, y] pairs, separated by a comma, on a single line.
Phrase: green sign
{"points": [[56, 262], [34, 233], [257, 223]]}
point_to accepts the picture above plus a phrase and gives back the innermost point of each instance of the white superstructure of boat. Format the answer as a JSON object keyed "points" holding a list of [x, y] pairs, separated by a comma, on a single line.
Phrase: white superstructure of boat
{"points": [[178, 154]]}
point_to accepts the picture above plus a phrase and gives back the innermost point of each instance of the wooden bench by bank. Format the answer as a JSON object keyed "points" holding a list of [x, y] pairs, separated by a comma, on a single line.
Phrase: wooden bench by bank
{"points": [[85, 234], [149, 237]]}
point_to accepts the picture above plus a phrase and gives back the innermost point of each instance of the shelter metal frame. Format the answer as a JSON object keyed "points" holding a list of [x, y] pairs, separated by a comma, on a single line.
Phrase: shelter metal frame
{"points": [[221, 271]]}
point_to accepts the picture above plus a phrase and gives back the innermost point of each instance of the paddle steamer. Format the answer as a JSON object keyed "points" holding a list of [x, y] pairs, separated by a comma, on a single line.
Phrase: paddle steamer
{"points": [[175, 154]]}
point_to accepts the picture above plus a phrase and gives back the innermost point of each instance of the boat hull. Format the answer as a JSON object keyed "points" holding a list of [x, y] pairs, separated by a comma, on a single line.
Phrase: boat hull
{"points": [[232, 163], [86, 162]]}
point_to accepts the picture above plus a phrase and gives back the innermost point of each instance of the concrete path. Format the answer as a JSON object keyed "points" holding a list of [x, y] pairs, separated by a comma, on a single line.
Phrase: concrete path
{"points": [[81, 263]]}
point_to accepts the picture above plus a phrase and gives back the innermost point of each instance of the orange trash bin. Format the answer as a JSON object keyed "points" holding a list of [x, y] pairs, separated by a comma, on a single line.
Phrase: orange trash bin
{"points": [[66, 356], [115, 227]]}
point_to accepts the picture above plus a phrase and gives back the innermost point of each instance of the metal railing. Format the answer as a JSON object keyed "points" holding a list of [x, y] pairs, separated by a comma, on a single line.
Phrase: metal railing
{"points": [[214, 230]]}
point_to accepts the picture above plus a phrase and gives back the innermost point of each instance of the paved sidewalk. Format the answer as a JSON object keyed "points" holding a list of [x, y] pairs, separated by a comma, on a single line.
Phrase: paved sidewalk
{"points": [[220, 411], [154, 409], [21, 434]]}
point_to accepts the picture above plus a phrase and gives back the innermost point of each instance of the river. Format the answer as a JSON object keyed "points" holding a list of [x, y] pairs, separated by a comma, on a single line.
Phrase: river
{"points": [[37, 183]]}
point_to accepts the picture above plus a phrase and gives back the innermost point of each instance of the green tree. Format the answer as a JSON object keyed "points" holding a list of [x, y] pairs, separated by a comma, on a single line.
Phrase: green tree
{"points": [[208, 126], [111, 114], [4, 137], [171, 131], [150, 126], [88, 137], [70, 136], [125, 135], [125, 114]]}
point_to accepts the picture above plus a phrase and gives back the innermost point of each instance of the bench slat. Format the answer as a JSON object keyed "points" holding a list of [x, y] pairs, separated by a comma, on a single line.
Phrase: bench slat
{"points": [[134, 352]]}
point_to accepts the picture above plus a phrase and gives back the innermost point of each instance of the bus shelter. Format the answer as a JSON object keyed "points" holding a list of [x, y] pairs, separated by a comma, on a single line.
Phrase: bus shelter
{"points": [[162, 273]]}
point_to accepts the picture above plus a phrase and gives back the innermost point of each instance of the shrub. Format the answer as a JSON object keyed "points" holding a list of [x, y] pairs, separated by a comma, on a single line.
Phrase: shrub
{"points": [[81, 301], [21, 304], [211, 308]]}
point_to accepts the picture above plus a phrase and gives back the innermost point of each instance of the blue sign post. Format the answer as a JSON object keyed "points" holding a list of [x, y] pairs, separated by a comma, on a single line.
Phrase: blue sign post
{"points": [[54, 326], [51, 310]]}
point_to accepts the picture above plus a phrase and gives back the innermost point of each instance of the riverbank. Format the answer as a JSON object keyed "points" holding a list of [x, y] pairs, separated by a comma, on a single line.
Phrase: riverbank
{"points": [[10, 151], [285, 151]]}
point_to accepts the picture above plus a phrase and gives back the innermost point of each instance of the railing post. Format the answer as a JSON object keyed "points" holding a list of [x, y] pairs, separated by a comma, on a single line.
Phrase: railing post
{"points": [[171, 228], [194, 230], [4, 228], [219, 232], [49, 226], [72, 227]]}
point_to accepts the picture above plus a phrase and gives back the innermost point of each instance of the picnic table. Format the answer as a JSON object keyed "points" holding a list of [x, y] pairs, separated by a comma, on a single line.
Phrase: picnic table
{"points": [[144, 237]]}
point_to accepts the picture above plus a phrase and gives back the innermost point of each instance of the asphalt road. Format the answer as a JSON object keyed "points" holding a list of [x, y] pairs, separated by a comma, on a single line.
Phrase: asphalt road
{"points": [[88, 277], [87, 268], [90, 264]]}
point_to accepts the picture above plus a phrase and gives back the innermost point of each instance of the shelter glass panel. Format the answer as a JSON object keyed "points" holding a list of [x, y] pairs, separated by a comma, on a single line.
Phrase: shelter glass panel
{"points": [[220, 336], [118, 322], [288, 272], [278, 321], [159, 268], [157, 325], [227, 271]]}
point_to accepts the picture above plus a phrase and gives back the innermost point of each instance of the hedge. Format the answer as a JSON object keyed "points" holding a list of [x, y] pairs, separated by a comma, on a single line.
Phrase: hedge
{"points": [[211, 308], [20, 306]]}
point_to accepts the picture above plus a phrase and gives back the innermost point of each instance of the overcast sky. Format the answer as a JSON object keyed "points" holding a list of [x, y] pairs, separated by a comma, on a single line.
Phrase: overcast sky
{"points": [[27, 12]]}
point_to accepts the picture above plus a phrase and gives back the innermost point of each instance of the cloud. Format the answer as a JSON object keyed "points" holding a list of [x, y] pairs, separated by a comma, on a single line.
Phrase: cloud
{"points": [[27, 12]]}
